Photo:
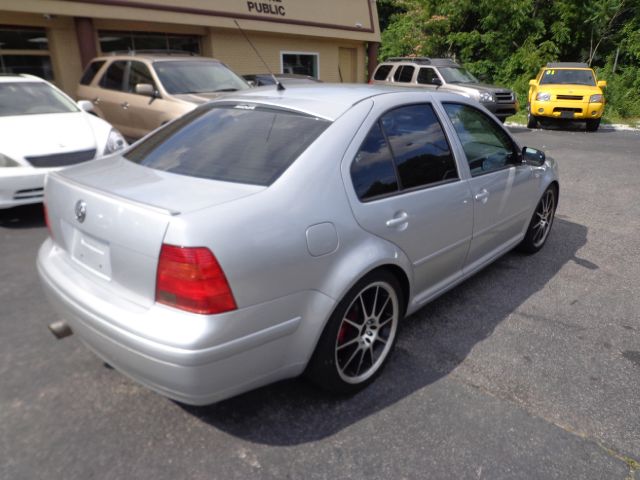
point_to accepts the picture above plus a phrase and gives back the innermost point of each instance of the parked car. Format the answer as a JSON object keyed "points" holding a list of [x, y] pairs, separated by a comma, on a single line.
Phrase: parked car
{"points": [[566, 91], [43, 130], [138, 92], [302, 226], [445, 74], [262, 79]]}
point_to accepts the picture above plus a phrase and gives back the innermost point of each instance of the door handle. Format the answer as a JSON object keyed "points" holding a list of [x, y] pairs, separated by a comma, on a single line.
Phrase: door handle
{"points": [[96, 100], [398, 221], [482, 196], [124, 105]]}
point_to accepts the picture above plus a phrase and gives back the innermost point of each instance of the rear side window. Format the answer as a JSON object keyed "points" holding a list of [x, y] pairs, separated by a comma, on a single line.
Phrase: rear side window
{"points": [[407, 148], [90, 72], [232, 143], [113, 78], [382, 72], [404, 73], [372, 171]]}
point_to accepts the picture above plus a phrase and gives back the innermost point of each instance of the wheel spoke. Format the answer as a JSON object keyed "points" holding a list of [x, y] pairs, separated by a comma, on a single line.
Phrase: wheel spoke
{"points": [[375, 302], [355, 352], [386, 302], [346, 344], [352, 323], [382, 324], [381, 340], [364, 309], [360, 362]]}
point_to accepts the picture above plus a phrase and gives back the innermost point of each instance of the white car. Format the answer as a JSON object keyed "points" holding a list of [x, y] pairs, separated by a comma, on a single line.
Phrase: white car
{"points": [[41, 130]]}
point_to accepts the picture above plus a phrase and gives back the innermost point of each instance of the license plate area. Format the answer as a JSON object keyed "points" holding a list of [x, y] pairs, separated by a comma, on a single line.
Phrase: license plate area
{"points": [[92, 253], [567, 114]]}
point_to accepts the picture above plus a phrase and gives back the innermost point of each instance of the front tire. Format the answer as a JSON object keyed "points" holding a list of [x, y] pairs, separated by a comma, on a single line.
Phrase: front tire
{"points": [[532, 120], [359, 336], [541, 222], [593, 124]]}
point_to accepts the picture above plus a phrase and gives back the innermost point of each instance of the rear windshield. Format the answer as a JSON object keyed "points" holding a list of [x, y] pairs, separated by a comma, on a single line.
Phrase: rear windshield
{"points": [[567, 77], [232, 143]]}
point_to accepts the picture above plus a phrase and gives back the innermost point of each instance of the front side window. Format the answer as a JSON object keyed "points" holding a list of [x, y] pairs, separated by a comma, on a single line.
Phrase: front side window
{"points": [[487, 147], [405, 149], [113, 78], [197, 76], [427, 75], [232, 143], [139, 73], [32, 98]]}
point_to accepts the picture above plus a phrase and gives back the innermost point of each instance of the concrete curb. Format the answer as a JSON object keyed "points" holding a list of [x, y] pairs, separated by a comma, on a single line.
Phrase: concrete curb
{"points": [[608, 126]]}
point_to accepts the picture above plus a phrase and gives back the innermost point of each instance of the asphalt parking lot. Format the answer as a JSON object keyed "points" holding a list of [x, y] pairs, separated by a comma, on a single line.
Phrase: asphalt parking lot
{"points": [[530, 369]]}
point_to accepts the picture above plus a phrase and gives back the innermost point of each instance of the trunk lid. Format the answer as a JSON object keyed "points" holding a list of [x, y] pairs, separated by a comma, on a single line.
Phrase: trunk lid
{"points": [[109, 217]]}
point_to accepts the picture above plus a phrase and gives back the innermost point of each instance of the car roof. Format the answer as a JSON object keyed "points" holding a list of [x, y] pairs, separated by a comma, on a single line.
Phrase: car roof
{"points": [[434, 62], [152, 57], [567, 65], [20, 78], [324, 100]]}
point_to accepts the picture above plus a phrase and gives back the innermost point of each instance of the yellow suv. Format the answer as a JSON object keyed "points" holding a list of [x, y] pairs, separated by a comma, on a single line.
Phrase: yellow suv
{"points": [[566, 91]]}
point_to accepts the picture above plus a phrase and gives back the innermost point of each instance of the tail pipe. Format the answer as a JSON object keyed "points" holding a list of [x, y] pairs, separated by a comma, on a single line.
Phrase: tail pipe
{"points": [[60, 329]]}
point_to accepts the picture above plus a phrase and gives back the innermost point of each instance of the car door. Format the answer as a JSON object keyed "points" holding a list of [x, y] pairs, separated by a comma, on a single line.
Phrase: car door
{"points": [[410, 193], [109, 98], [503, 188]]}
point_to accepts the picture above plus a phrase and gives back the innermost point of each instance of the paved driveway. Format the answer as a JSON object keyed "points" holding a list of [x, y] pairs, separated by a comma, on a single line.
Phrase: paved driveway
{"points": [[531, 369]]}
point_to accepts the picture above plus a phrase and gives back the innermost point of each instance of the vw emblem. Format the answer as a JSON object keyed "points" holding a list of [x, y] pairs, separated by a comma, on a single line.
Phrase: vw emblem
{"points": [[81, 210]]}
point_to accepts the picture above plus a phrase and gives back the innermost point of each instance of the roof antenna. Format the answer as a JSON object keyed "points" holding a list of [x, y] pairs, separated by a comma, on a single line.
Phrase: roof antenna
{"points": [[279, 86]]}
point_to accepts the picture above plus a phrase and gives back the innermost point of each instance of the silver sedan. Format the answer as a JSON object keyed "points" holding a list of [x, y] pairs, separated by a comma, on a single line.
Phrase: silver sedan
{"points": [[279, 232]]}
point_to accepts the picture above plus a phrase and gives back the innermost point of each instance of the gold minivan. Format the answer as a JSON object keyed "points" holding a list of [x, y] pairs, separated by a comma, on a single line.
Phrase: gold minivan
{"points": [[139, 92]]}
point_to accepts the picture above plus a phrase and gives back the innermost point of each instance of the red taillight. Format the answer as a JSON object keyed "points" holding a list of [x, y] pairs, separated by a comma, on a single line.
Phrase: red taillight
{"points": [[46, 219], [190, 278]]}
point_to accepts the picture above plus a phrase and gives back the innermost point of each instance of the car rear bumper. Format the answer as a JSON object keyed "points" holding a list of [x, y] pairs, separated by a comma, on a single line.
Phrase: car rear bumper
{"points": [[567, 110], [194, 359]]}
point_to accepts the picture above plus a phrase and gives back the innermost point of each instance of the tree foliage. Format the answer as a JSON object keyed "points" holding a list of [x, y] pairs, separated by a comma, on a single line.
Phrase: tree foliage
{"points": [[507, 41]]}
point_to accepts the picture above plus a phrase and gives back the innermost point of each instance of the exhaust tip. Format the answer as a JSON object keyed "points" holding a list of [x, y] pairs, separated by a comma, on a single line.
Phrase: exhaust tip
{"points": [[60, 329]]}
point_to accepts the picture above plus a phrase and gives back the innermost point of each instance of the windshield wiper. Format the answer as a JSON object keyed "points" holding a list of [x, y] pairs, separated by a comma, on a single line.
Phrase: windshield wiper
{"points": [[226, 90]]}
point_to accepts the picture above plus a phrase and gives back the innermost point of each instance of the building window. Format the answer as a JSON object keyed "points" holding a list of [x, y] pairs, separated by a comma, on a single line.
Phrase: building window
{"points": [[300, 63], [25, 50], [136, 41]]}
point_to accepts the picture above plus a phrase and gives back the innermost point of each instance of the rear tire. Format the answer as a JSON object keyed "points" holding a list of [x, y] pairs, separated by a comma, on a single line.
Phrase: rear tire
{"points": [[593, 124], [541, 222], [359, 336]]}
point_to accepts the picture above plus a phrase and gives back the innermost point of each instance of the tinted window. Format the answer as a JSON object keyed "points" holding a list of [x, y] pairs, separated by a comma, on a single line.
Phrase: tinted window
{"points": [[382, 72], [139, 73], [372, 171], [403, 73], [26, 98], [234, 143], [487, 147], [91, 71], [114, 76], [426, 76], [419, 146]]}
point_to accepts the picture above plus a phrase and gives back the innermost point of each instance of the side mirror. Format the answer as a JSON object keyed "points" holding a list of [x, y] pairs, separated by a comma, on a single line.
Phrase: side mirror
{"points": [[436, 81], [146, 89], [602, 83], [86, 106], [532, 83], [532, 156]]}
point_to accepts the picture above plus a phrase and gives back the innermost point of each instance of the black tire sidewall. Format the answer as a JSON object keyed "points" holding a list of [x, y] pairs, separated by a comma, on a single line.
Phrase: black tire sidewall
{"points": [[322, 368]]}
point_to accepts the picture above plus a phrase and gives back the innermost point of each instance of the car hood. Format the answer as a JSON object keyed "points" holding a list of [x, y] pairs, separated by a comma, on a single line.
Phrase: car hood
{"points": [[476, 87], [33, 135]]}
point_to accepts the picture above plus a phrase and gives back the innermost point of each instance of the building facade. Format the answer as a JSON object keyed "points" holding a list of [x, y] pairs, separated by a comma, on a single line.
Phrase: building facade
{"points": [[331, 40]]}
